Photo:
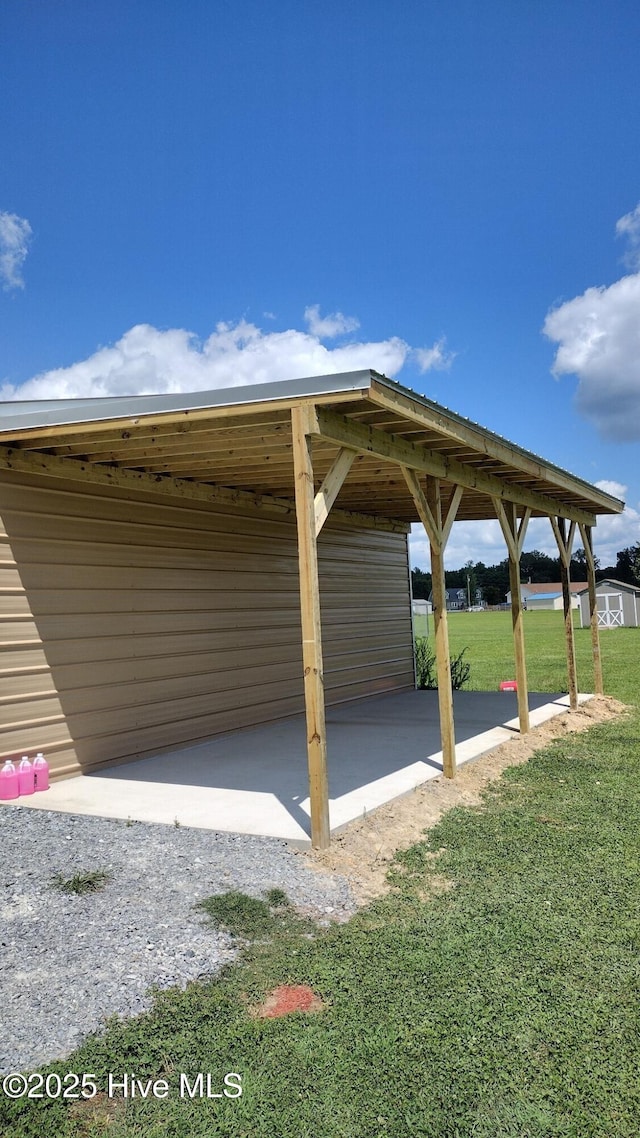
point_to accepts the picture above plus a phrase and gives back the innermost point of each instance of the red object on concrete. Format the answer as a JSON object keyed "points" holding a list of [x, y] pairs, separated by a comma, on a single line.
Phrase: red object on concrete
{"points": [[508, 685], [289, 998]]}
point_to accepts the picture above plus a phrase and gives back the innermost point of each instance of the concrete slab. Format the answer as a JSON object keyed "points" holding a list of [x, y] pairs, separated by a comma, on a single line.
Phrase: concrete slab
{"points": [[255, 781]]}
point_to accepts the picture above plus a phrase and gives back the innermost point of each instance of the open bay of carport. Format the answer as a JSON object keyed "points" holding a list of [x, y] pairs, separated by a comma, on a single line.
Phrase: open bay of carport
{"points": [[255, 781]]}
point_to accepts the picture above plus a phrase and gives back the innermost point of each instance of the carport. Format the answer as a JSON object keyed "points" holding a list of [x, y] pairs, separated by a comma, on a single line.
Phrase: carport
{"points": [[146, 539]]}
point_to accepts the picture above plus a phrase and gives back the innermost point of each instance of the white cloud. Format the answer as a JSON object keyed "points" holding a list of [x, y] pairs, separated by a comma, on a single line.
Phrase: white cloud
{"points": [[435, 358], [468, 541], [15, 234], [147, 361], [629, 228], [616, 489], [599, 338], [615, 531], [328, 327]]}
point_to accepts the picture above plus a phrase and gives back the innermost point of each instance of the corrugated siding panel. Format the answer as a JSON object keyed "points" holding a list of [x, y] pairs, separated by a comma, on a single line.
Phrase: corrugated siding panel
{"points": [[130, 624]]}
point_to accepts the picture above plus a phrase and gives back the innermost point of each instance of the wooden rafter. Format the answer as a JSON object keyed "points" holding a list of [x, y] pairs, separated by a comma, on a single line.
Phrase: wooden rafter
{"points": [[101, 437], [479, 440], [345, 432]]}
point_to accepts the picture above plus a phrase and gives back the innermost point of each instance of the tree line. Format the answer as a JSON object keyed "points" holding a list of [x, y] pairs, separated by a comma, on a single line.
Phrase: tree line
{"points": [[490, 583]]}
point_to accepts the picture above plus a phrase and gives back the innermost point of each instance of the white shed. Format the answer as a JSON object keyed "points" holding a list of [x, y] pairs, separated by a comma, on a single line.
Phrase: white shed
{"points": [[547, 601], [421, 608], [618, 605]]}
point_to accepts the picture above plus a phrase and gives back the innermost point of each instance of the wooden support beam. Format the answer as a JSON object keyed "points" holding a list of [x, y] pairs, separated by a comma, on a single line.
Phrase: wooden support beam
{"points": [[587, 541], [331, 485], [75, 470], [437, 531], [450, 514], [429, 509], [431, 525], [514, 535], [393, 448], [564, 546], [311, 628]]}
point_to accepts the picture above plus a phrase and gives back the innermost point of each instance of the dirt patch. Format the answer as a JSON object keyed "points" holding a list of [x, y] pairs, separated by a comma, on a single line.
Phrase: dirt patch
{"points": [[288, 998], [363, 850], [100, 1111]]}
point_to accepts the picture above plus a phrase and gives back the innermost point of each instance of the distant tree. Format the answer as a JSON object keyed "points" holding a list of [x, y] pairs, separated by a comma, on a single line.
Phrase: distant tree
{"points": [[493, 595], [456, 579], [628, 565], [579, 565], [539, 567], [420, 585]]}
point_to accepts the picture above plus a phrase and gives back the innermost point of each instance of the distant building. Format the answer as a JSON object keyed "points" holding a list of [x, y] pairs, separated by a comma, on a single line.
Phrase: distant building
{"points": [[421, 608], [456, 599], [547, 594]]}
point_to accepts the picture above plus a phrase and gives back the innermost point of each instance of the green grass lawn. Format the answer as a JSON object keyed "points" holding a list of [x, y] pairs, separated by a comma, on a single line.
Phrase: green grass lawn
{"points": [[504, 1007], [489, 639]]}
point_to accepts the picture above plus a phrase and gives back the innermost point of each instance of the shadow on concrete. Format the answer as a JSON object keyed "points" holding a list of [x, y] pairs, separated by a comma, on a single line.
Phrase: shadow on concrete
{"points": [[367, 740]]}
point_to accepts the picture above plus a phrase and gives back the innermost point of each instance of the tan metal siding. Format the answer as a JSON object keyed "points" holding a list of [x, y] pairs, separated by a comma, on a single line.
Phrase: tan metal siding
{"points": [[130, 624]]}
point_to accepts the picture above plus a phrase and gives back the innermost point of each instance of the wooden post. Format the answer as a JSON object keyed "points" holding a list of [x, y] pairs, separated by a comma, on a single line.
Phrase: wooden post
{"points": [[443, 664], [564, 545], [311, 627], [514, 537], [587, 541], [441, 630]]}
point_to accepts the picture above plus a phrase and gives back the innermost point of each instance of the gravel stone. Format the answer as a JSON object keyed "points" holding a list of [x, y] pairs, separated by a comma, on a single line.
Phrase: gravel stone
{"points": [[68, 961]]}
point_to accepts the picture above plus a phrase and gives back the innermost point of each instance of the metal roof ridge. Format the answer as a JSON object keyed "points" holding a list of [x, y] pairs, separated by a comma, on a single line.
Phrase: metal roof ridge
{"points": [[327, 384]]}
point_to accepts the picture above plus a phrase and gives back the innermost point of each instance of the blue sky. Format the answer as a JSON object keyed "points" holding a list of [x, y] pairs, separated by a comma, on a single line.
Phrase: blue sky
{"points": [[201, 194]]}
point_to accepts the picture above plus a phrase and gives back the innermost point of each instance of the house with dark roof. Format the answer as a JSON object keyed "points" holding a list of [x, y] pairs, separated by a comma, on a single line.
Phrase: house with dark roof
{"points": [[456, 599]]}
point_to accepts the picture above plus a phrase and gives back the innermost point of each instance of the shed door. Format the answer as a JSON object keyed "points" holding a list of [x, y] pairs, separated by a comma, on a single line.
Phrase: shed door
{"points": [[610, 610]]}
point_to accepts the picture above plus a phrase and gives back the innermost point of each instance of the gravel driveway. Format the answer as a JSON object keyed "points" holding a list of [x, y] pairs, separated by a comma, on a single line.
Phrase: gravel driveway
{"points": [[68, 961]]}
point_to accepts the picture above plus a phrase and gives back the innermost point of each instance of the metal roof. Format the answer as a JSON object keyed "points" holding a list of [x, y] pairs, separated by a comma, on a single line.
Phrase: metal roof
{"points": [[16, 416], [616, 584]]}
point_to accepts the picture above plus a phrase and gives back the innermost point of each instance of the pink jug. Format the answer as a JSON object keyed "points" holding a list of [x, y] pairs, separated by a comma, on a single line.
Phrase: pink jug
{"points": [[41, 772], [25, 776], [9, 781]]}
